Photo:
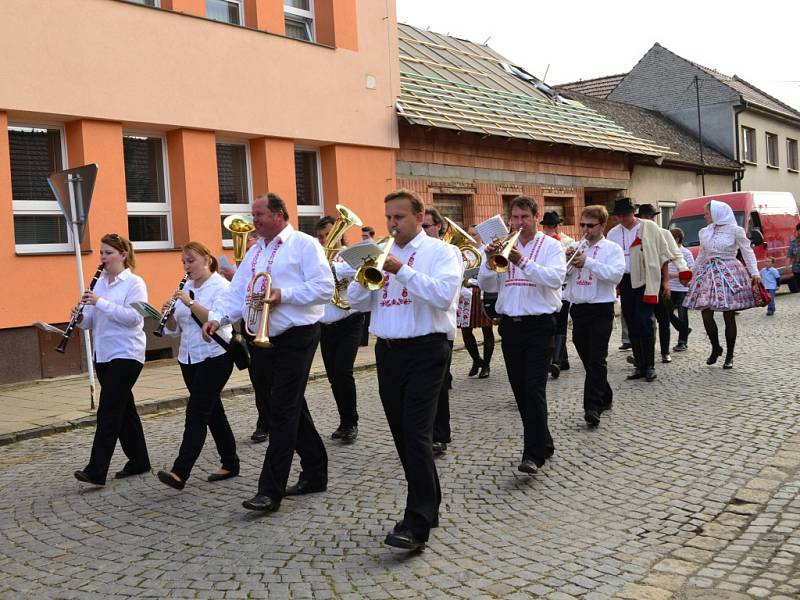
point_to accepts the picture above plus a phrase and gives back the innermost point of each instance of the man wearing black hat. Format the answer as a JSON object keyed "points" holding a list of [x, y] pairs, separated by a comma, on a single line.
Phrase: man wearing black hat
{"points": [[550, 222]]}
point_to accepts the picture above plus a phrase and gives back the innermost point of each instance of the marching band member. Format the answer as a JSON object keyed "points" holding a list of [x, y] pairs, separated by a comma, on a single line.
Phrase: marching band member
{"points": [[205, 367], [529, 298], [592, 290], [339, 342], [647, 253], [302, 285], [471, 314], [410, 318], [550, 222], [119, 343]]}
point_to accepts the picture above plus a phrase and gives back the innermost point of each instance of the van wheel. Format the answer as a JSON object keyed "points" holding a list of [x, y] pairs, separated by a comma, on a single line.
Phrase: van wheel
{"points": [[793, 285]]}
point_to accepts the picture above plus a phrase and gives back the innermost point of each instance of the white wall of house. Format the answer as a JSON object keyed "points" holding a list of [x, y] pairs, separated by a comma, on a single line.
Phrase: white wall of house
{"points": [[761, 176], [661, 184]]}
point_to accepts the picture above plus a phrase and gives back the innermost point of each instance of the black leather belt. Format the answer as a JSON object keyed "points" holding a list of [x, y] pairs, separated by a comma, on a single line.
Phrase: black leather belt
{"points": [[422, 339]]}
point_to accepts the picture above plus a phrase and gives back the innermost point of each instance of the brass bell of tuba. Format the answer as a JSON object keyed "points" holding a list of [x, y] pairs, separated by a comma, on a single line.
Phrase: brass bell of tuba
{"points": [[370, 274], [499, 261], [344, 221], [257, 306], [240, 227], [464, 242]]}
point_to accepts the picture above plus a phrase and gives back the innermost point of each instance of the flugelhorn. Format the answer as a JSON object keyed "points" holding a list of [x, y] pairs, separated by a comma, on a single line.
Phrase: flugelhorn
{"points": [[62, 346], [581, 247], [170, 309], [258, 306], [370, 273], [499, 261], [240, 227], [344, 221], [464, 242]]}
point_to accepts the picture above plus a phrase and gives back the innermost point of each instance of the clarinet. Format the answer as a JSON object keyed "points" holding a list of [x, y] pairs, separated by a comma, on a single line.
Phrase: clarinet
{"points": [[62, 346], [170, 309]]}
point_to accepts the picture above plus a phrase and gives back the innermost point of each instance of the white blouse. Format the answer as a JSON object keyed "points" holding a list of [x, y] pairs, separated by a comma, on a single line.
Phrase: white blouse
{"points": [[724, 241]]}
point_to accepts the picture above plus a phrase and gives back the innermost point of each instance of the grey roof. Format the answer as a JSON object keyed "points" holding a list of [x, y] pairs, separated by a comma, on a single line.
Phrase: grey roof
{"points": [[654, 126], [456, 84], [599, 87]]}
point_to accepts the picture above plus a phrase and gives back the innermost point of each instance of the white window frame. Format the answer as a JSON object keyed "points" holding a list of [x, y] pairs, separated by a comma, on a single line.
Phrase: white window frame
{"points": [[772, 161], [44, 207], [240, 4], [745, 146], [237, 209], [790, 142], [661, 206], [155, 209], [306, 17], [313, 210], [156, 3]]}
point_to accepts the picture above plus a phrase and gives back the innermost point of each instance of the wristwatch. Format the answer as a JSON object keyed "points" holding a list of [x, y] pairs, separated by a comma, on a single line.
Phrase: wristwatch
{"points": [[191, 303]]}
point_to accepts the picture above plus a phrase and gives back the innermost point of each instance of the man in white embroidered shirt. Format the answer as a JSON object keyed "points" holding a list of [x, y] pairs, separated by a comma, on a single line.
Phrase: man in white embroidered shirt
{"points": [[528, 299], [301, 285], [410, 319], [591, 290]]}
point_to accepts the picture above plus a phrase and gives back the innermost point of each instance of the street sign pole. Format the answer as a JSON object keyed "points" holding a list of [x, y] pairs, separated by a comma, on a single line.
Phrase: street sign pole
{"points": [[75, 201]]}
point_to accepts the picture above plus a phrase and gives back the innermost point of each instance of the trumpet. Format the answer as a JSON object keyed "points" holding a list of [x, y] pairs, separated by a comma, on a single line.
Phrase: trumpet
{"points": [[346, 219], [370, 273], [62, 346], [464, 242], [579, 249], [258, 306], [170, 309], [499, 261]]}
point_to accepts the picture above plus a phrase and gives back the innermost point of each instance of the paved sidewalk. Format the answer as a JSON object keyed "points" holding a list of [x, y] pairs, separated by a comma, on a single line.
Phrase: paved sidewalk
{"points": [[45, 406]]}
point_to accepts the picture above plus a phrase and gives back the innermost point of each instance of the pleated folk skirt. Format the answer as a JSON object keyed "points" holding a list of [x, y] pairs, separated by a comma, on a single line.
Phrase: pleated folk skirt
{"points": [[720, 284]]}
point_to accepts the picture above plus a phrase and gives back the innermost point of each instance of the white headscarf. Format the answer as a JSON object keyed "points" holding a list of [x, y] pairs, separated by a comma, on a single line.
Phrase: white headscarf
{"points": [[721, 213]]}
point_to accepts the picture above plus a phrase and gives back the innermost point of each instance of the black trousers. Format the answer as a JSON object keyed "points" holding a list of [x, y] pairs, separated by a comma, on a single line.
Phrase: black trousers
{"points": [[638, 315], [410, 373], [681, 320], [339, 344], [117, 419], [282, 374], [591, 331], [441, 423], [205, 381], [527, 344], [662, 314], [365, 330]]}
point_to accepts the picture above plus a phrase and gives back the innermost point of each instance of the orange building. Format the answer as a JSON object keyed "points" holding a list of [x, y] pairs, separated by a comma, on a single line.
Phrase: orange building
{"points": [[191, 108]]}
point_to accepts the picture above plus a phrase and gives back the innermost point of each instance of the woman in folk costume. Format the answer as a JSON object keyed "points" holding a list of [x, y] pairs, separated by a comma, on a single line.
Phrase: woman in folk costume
{"points": [[720, 281]]}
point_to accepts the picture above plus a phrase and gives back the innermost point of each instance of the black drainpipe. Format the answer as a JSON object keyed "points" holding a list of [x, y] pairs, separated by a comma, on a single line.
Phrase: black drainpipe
{"points": [[737, 179]]}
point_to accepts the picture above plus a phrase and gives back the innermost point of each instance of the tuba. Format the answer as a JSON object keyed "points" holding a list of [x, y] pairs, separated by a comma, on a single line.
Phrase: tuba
{"points": [[257, 306], [499, 261], [370, 274], [344, 221], [464, 242], [240, 227]]}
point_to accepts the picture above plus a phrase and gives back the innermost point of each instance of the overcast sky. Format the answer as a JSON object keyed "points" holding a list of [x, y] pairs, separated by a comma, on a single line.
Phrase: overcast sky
{"points": [[580, 39]]}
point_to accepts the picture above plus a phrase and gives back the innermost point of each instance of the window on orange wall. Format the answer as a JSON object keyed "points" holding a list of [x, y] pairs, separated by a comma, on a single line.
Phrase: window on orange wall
{"points": [[146, 2], [149, 214], [225, 11], [235, 183], [299, 19], [35, 152], [309, 188]]}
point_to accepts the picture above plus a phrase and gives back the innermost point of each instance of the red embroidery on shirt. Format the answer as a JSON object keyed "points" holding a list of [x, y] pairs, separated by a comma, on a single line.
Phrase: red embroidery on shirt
{"points": [[269, 262], [513, 280], [579, 280], [387, 302]]}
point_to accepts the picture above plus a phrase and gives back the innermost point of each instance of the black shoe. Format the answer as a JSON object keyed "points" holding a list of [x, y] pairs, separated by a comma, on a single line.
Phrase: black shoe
{"points": [[728, 364], [555, 370], [337, 435], [637, 374], [650, 375], [715, 354], [606, 406], [592, 418], [304, 486], [167, 479], [564, 365], [484, 372], [476, 366], [261, 503], [439, 448], [259, 435], [401, 537], [348, 433], [666, 358], [220, 476], [126, 472], [84, 478], [528, 465], [680, 347], [625, 346]]}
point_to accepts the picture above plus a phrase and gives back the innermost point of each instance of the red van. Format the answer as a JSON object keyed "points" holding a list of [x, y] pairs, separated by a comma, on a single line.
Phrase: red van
{"points": [[769, 218]]}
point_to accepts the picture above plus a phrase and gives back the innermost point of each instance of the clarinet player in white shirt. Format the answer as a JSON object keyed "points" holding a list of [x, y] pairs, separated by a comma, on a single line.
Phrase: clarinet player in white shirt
{"points": [[119, 343], [302, 284], [528, 301], [205, 367], [592, 289], [410, 317]]}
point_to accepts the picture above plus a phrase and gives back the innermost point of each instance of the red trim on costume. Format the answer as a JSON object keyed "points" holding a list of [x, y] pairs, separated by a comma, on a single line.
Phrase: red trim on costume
{"points": [[685, 277], [636, 242], [647, 299]]}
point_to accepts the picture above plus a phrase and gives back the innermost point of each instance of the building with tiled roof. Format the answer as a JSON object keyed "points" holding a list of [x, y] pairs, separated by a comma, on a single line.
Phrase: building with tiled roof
{"points": [[597, 87]]}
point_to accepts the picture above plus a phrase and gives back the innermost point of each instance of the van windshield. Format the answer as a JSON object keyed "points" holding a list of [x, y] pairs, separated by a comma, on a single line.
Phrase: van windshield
{"points": [[691, 227]]}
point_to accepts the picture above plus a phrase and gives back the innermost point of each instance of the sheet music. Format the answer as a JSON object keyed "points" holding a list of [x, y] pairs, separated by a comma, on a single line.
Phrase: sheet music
{"points": [[491, 229], [47, 327], [356, 254], [471, 273], [146, 310]]}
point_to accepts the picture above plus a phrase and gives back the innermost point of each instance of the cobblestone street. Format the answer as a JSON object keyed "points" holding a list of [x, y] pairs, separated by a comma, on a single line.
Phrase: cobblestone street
{"points": [[690, 488]]}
